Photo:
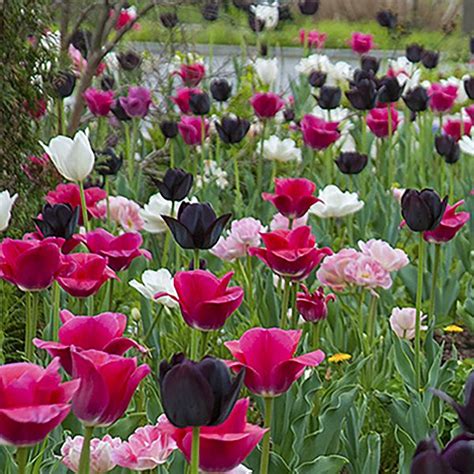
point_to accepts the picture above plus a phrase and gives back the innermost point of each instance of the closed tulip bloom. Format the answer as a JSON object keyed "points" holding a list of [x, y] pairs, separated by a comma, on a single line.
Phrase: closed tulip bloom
{"points": [[108, 382], [266, 104], [314, 39], [363, 94], [378, 121], [205, 301], [329, 97], [317, 133], [448, 148], [129, 60], [456, 128], [386, 19], [351, 162], [469, 87], [181, 99], [89, 274], [403, 322], [34, 402], [169, 128], [293, 196], [191, 74], [73, 158], [207, 383], [197, 226], [110, 163], [451, 223], [220, 90], [290, 253], [429, 59], [361, 43], [64, 83], [267, 355], [191, 129], [169, 20], [223, 447], [313, 306], [137, 102], [417, 99], [175, 185], [390, 90], [413, 52], [442, 97], [369, 63], [200, 103], [210, 11], [422, 210], [6, 204], [266, 70], [308, 7], [99, 102], [119, 112], [317, 78], [232, 130]]}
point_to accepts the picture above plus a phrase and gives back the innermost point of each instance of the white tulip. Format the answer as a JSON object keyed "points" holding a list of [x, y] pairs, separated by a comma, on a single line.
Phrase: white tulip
{"points": [[285, 150], [74, 159], [467, 145], [268, 14], [6, 204], [267, 70], [314, 62], [155, 281], [336, 203], [151, 214]]}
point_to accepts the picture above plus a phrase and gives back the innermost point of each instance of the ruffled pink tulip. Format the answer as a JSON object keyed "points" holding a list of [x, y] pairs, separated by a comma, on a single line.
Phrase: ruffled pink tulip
{"points": [[268, 358], [266, 104], [124, 212], [456, 128], [99, 102], [403, 322], [332, 270], [361, 43], [377, 121], [90, 273], [33, 402], [450, 225], [367, 272], [108, 383], [102, 332], [145, 449], [442, 98], [191, 74], [313, 306], [314, 39], [190, 128], [317, 133], [293, 196], [205, 300], [137, 102], [181, 99], [389, 258]]}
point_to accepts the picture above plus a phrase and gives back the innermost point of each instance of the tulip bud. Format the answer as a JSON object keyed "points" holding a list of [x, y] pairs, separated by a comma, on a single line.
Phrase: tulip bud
{"points": [[210, 11], [63, 84], [469, 87], [200, 103], [308, 7], [329, 97], [58, 220], [351, 162], [169, 20], [284, 13], [169, 128], [448, 148], [390, 90], [430, 59], [422, 210], [369, 63], [208, 384], [220, 90], [417, 99], [413, 52], [313, 307], [110, 164], [232, 130], [107, 83], [386, 19], [175, 185], [136, 315], [363, 94], [317, 78], [289, 114], [129, 60]]}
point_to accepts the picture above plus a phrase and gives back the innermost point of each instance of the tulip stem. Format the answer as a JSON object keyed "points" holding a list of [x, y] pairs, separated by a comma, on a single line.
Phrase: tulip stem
{"points": [[85, 219], [265, 459], [56, 296], [195, 451], [260, 158], [391, 164], [196, 259], [284, 304], [434, 280], [22, 459], [419, 297], [84, 460], [316, 333], [31, 322], [194, 344], [111, 294]]}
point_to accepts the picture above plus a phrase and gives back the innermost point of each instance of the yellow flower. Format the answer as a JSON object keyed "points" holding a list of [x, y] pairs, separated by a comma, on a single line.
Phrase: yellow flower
{"points": [[339, 357], [453, 328]]}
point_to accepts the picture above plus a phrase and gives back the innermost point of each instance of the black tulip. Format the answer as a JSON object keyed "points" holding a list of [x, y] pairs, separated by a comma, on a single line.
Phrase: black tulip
{"points": [[200, 103], [197, 226], [169, 20], [422, 210], [369, 63], [416, 99], [471, 44], [289, 114], [107, 83], [220, 90], [284, 13], [210, 11], [109, 162], [64, 83], [82, 41], [360, 75], [351, 162], [198, 393], [58, 220], [363, 95], [129, 60], [308, 7], [263, 49], [91, 182], [329, 97], [232, 130], [317, 79], [119, 112], [256, 25], [175, 185], [448, 148], [469, 87], [386, 19], [430, 59], [169, 128], [390, 90], [413, 52]]}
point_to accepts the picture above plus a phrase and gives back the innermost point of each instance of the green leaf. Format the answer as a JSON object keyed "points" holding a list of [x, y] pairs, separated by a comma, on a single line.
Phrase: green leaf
{"points": [[324, 465]]}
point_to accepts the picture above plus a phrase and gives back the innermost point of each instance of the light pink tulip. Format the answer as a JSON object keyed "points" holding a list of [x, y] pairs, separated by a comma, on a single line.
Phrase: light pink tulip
{"points": [[332, 270], [123, 212], [281, 222], [402, 322], [389, 258], [367, 272]]}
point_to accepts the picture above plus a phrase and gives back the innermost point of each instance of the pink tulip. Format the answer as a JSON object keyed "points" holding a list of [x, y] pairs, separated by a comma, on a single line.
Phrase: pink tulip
{"points": [[102, 332], [442, 98], [377, 121], [268, 358], [222, 447], [281, 222], [205, 301], [317, 133], [456, 128], [314, 39], [124, 212], [450, 225], [145, 449], [389, 258], [191, 130], [126, 16], [191, 74], [99, 102], [181, 99], [79, 63], [266, 104], [33, 402], [137, 102], [313, 306], [108, 383], [367, 272], [332, 270], [90, 273], [361, 43], [470, 112], [403, 321]]}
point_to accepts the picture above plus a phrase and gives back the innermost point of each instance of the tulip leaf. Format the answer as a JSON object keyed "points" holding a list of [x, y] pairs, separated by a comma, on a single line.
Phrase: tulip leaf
{"points": [[403, 360], [324, 465], [277, 464], [370, 447], [407, 446]]}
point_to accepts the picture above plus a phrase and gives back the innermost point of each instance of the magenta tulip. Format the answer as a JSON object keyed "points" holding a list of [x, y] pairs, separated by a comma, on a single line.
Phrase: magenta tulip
{"points": [[102, 332], [191, 74], [205, 300], [317, 133], [378, 121], [33, 402], [266, 104], [361, 43], [137, 103], [442, 98], [191, 130], [451, 223], [313, 306], [181, 99], [456, 128], [108, 382], [99, 102], [268, 358]]}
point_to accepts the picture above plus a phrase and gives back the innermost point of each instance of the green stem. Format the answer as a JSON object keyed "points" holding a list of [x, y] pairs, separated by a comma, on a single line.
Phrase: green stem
{"points": [[265, 459], [434, 280], [194, 344], [371, 322], [111, 294], [260, 159], [451, 182], [22, 459], [60, 110], [195, 451], [171, 145], [196, 259], [391, 163], [107, 200], [84, 460], [237, 182], [316, 333], [419, 297], [56, 297], [85, 219], [284, 304], [31, 323]]}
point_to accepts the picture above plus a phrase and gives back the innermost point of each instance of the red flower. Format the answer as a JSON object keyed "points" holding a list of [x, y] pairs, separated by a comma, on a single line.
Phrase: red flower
{"points": [[456, 128], [204, 299], [102, 332], [90, 273], [190, 129], [442, 98], [361, 43], [70, 194], [377, 121], [191, 74], [266, 104], [470, 111], [33, 264], [317, 133], [315, 38], [126, 16], [99, 102], [181, 99], [268, 358], [33, 402], [293, 196], [313, 307], [37, 109], [66, 245], [451, 223], [222, 447], [290, 253], [120, 251]]}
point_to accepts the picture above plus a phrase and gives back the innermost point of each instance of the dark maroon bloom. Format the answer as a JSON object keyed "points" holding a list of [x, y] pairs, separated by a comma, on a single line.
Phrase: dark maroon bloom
{"points": [[266, 104], [422, 210], [313, 306]]}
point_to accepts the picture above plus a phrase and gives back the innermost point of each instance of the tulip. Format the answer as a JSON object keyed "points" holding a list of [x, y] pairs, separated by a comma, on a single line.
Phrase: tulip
{"points": [[266, 104], [329, 97], [181, 99], [200, 103], [90, 273], [129, 60], [317, 78], [290, 253], [169, 20], [361, 43], [332, 272], [351, 162], [469, 87], [456, 128], [99, 102], [313, 306], [6, 204], [403, 322], [220, 90], [422, 210], [416, 99], [317, 133], [293, 196], [169, 128], [107, 83], [207, 383], [232, 130], [58, 220], [308, 7], [313, 39], [124, 212], [383, 121], [389, 258], [64, 83], [137, 103], [159, 281], [191, 74], [210, 12], [193, 129], [205, 300], [283, 151], [34, 402], [111, 164], [451, 223], [448, 148], [175, 185], [266, 70], [369, 63], [367, 272], [125, 16], [386, 19], [429, 59], [281, 222], [197, 226], [335, 203], [119, 112], [390, 90], [414, 52], [152, 214], [363, 94], [267, 14]]}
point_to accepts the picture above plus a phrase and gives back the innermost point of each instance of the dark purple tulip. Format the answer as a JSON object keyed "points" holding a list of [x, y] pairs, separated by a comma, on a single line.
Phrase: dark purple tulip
{"points": [[107, 83], [308, 7], [429, 59], [469, 87], [363, 95], [351, 162], [386, 19], [232, 130], [422, 210], [369, 63], [175, 185], [329, 97], [169, 128], [471, 44], [58, 220], [129, 60], [64, 83], [200, 103], [289, 114], [448, 148], [169, 20], [390, 90], [413, 52], [119, 112], [109, 163], [220, 90], [317, 78], [210, 11], [416, 99], [284, 13], [256, 25]]}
